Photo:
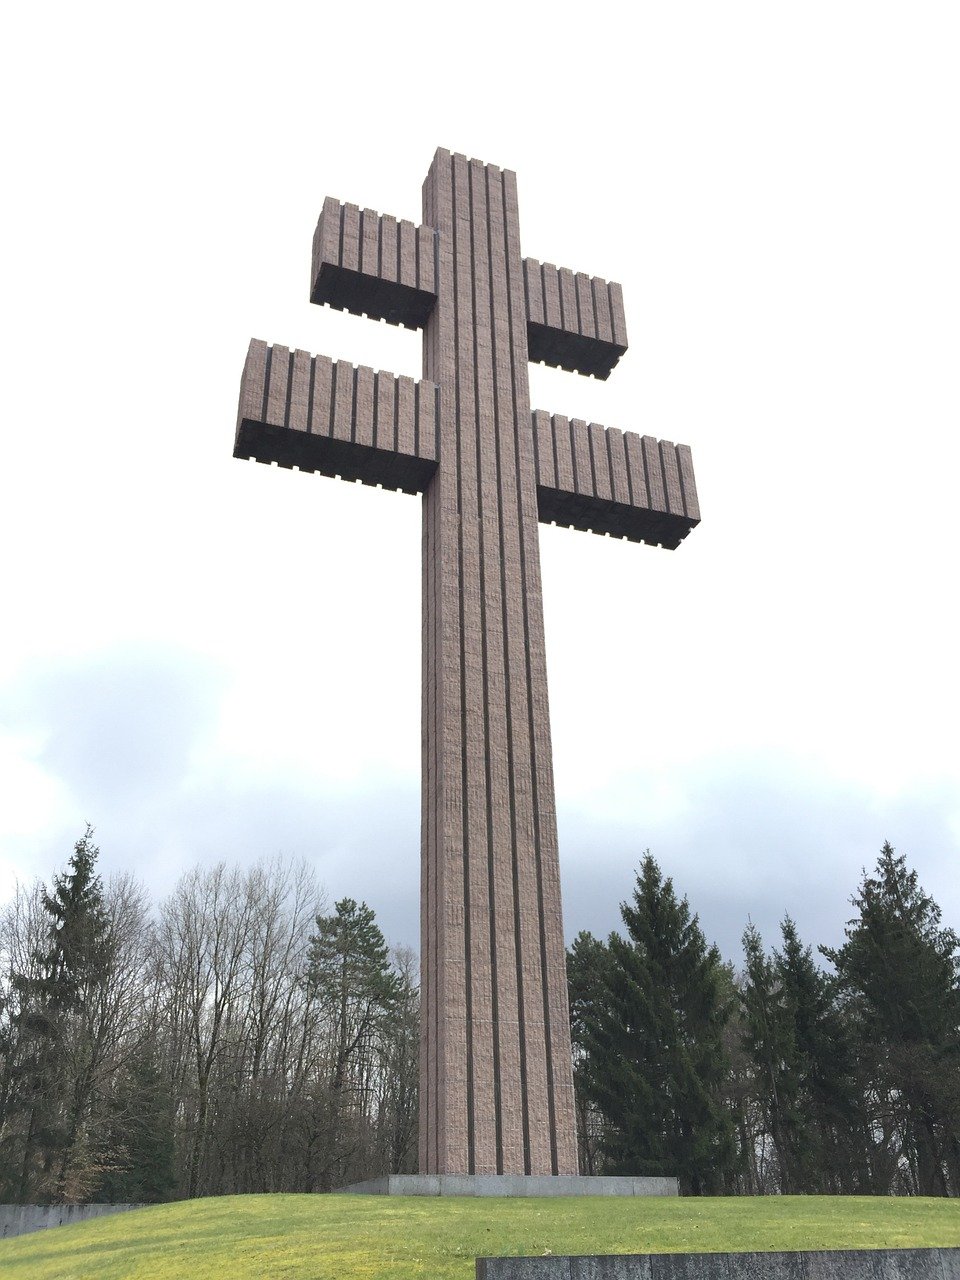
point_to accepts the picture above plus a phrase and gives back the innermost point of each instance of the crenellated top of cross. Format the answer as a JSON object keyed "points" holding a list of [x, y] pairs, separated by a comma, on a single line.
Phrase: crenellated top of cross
{"points": [[319, 415], [371, 264]]}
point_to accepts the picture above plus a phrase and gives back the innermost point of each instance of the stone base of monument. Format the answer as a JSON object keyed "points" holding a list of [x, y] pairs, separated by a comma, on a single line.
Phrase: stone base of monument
{"points": [[508, 1184], [21, 1219], [807, 1264]]}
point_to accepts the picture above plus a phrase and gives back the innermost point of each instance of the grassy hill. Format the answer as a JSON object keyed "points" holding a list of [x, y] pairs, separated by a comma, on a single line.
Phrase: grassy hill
{"points": [[394, 1238]]}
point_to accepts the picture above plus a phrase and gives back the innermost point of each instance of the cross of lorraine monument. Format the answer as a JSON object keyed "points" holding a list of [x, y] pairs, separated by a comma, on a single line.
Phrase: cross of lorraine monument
{"points": [[496, 1086]]}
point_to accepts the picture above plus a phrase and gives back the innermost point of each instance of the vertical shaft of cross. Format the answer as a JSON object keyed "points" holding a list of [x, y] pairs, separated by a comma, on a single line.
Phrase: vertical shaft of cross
{"points": [[496, 1086], [496, 1075]]}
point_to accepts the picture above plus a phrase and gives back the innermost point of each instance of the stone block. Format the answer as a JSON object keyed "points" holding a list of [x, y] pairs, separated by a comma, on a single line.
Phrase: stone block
{"points": [[920, 1264], [766, 1266], [573, 322], [847, 1264], [23, 1219], [525, 1268], [687, 1266], [611, 1267], [507, 1184], [326, 416], [426, 1184], [371, 264], [612, 482], [843, 1264]]}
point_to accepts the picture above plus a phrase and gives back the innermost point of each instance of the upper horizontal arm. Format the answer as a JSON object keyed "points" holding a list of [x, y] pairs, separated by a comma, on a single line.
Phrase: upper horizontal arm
{"points": [[371, 264], [572, 320]]}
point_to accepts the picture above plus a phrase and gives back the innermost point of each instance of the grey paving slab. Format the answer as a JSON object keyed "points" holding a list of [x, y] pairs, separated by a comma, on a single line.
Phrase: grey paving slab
{"points": [[688, 1266], [916, 1264], [524, 1185], [879, 1264], [611, 1267], [766, 1266], [842, 1264], [526, 1269]]}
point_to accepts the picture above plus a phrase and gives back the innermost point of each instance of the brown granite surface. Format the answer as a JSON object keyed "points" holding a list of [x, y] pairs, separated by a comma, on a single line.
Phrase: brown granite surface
{"points": [[496, 1087]]}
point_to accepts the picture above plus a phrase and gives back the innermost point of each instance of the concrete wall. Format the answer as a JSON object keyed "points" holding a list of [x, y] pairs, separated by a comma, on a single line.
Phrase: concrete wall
{"points": [[856, 1264], [509, 1184], [19, 1219]]}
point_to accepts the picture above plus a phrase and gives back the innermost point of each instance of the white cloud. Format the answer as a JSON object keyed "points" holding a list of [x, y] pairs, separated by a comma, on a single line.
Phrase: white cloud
{"points": [[772, 186]]}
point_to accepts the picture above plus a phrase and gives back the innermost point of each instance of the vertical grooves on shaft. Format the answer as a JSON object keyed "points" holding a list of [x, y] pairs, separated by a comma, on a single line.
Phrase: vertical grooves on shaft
{"points": [[485, 659], [426, 1094], [505, 1031], [430, 1131], [514, 832], [493, 1083], [517, 427], [433, 1008], [485, 705], [443, 869], [463, 702]]}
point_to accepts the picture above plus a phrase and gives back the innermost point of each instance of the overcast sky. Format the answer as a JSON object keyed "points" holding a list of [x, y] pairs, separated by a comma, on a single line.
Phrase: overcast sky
{"points": [[210, 659]]}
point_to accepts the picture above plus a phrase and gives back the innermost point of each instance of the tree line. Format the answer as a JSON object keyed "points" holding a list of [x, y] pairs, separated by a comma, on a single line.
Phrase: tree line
{"points": [[782, 1077], [243, 1036], [240, 1038]]}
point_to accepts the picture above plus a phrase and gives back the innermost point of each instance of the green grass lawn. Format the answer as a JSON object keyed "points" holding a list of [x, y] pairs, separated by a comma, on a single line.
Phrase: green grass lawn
{"points": [[405, 1238]]}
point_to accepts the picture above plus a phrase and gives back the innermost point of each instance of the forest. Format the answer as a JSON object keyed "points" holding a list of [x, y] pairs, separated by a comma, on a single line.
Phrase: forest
{"points": [[245, 1035]]}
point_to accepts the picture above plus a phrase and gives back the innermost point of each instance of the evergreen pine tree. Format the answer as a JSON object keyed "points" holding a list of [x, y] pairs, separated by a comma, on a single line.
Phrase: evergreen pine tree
{"points": [[587, 974], [831, 1143], [401, 1067], [350, 974], [768, 1038], [137, 1150], [901, 970], [53, 1082], [655, 1062], [80, 952]]}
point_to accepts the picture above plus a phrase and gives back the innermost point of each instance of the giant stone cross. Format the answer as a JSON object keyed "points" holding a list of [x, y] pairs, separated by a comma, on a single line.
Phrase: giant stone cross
{"points": [[496, 1089]]}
